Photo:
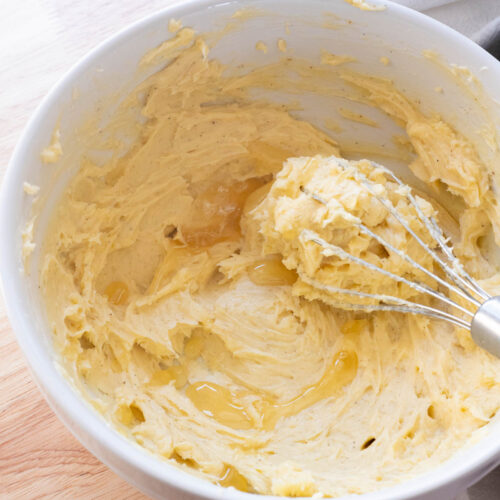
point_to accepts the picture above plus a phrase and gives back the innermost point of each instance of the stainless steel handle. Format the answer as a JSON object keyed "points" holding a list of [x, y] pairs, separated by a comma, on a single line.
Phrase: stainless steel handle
{"points": [[485, 326]]}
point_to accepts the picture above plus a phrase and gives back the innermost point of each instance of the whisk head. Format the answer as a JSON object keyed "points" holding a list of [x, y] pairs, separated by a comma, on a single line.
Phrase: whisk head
{"points": [[387, 253]]}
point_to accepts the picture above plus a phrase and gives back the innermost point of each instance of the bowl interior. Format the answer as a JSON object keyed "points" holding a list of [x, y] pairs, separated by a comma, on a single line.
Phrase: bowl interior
{"points": [[95, 86]]}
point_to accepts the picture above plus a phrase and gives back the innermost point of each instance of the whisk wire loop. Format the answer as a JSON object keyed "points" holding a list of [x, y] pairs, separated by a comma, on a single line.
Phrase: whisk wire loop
{"points": [[419, 287], [456, 271], [407, 258], [401, 305], [460, 282]]}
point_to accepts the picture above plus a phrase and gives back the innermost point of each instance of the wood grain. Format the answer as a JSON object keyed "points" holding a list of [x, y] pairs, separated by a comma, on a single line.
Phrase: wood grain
{"points": [[39, 41], [39, 458]]}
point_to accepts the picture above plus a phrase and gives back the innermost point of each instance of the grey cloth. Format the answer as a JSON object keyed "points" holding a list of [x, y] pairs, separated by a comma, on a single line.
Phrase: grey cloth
{"points": [[489, 38], [477, 19]]}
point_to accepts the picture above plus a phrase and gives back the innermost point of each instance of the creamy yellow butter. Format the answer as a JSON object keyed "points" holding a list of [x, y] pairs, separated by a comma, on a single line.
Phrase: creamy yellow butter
{"points": [[53, 151], [171, 291]]}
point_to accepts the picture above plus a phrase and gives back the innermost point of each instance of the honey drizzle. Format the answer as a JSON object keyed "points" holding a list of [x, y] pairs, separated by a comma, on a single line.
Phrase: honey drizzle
{"points": [[271, 272], [117, 293], [256, 197], [175, 373], [355, 326], [232, 477], [220, 403], [339, 374], [222, 206]]}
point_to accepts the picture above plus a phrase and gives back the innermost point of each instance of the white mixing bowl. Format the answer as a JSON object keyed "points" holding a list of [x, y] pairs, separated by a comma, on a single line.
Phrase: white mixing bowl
{"points": [[396, 32]]}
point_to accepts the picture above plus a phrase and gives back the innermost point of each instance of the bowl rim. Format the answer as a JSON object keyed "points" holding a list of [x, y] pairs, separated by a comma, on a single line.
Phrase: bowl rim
{"points": [[85, 424]]}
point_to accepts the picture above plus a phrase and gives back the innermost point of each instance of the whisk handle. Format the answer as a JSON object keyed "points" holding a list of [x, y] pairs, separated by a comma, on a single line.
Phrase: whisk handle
{"points": [[485, 326]]}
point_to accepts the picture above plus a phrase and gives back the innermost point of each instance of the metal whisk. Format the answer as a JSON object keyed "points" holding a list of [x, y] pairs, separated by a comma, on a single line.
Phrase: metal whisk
{"points": [[483, 317]]}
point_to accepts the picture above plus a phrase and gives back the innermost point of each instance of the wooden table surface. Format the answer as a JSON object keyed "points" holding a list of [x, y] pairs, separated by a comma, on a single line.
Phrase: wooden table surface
{"points": [[39, 41]]}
